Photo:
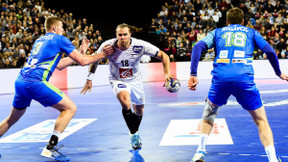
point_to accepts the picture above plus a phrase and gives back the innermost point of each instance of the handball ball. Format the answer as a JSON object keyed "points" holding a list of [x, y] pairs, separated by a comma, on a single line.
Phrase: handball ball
{"points": [[173, 85]]}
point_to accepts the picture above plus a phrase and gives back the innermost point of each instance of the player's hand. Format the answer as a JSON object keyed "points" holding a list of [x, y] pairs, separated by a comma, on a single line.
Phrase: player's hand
{"points": [[84, 46], [283, 76], [87, 86], [192, 83], [108, 50], [168, 77]]}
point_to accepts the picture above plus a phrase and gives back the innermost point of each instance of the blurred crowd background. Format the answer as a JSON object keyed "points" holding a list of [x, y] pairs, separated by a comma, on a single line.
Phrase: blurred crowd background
{"points": [[175, 29]]}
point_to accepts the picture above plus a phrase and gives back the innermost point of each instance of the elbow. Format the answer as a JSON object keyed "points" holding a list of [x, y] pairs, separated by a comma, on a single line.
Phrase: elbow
{"points": [[82, 63], [59, 67]]}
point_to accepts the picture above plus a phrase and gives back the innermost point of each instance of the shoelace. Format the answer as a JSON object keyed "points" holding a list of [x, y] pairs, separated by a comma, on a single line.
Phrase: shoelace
{"points": [[55, 151], [135, 137], [58, 148]]}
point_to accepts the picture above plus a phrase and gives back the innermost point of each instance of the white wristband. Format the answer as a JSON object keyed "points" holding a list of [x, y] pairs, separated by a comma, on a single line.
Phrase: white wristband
{"points": [[90, 76]]}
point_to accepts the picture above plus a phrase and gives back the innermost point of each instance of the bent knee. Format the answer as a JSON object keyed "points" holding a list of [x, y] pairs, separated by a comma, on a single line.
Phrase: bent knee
{"points": [[124, 99], [210, 111], [73, 108]]}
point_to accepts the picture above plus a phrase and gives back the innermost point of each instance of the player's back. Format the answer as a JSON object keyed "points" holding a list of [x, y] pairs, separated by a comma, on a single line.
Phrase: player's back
{"points": [[234, 46], [44, 57]]}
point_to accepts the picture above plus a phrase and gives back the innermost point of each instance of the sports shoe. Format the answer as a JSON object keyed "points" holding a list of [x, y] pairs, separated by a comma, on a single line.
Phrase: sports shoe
{"points": [[198, 156], [136, 141], [54, 154]]}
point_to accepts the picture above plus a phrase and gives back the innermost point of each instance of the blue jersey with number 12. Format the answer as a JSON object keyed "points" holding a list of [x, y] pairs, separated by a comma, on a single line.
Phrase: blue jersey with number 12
{"points": [[45, 55], [234, 46]]}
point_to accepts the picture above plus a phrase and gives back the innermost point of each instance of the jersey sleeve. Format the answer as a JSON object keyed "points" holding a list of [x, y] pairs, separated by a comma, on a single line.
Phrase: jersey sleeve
{"points": [[100, 49], [195, 56], [66, 45], [208, 39], [150, 49], [260, 41]]}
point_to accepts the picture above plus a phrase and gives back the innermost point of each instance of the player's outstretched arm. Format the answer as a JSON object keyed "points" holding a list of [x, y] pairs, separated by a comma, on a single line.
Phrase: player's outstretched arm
{"points": [[88, 59], [166, 64], [68, 61]]}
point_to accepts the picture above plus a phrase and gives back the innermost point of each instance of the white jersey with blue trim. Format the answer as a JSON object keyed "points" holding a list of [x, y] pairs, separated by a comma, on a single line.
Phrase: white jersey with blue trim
{"points": [[124, 65]]}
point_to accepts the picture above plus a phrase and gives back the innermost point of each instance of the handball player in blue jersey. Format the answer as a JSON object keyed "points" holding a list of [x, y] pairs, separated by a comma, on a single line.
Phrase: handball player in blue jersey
{"points": [[32, 81], [233, 75]]}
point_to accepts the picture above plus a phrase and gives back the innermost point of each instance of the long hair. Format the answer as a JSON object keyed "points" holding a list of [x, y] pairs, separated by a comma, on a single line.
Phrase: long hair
{"points": [[132, 29]]}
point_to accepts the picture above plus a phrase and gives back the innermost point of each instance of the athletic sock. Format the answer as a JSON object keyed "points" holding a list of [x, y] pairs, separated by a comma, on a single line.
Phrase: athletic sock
{"points": [[53, 140], [202, 142], [271, 153], [136, 120], [127, 114]]}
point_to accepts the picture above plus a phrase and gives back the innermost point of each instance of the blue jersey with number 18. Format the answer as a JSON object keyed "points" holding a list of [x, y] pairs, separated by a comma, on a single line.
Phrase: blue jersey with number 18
{"points": [[44, 57], [234, 46]]}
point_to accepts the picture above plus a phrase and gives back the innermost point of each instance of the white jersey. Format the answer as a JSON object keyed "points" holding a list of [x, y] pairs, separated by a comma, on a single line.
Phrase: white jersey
{"points": [[124, 65]]}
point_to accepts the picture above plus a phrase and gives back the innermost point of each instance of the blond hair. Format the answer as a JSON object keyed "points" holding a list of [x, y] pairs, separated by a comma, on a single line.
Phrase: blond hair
{"points": [[131, 28], [50, 21]]}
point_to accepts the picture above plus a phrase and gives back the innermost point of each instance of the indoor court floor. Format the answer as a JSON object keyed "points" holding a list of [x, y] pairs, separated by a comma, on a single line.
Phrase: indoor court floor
{"points": [[169, 129]]}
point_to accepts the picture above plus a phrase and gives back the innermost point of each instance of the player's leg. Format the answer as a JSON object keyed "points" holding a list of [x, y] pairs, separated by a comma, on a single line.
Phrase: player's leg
{"points": [[265, 132], [131, 119], [217, 96], [137, 118], [48, 95], [9, 121], [21, 101], [122, 92], [125, 101], [67, 110], [138, 100], [248, 96], [137, 115], [209, 114]]}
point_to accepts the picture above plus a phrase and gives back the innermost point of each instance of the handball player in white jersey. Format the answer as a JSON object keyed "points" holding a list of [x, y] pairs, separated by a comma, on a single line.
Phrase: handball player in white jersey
{"points": [[125, 76]]}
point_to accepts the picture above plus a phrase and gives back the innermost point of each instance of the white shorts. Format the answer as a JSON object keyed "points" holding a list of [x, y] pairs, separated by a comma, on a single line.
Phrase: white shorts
{"points": [[135, 89]]}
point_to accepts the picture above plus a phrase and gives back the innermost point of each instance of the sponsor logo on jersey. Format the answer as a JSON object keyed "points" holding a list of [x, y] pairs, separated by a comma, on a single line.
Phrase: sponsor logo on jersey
{"points": [[223, 61], [137, 49], [239, 53], [125, 73], [223, 54], [121, 86], [239, 61]]}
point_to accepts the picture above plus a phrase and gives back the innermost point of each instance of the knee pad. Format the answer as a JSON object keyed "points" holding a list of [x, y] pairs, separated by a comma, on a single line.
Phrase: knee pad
{"points": [[210, 112]]}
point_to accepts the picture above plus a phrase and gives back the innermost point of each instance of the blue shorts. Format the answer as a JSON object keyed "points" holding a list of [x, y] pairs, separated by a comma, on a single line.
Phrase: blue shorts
{"points": [[246, 94], [41, 91]]}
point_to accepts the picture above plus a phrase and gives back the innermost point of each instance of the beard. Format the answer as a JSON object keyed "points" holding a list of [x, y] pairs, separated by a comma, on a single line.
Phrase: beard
{"points": [[123, 43]]}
